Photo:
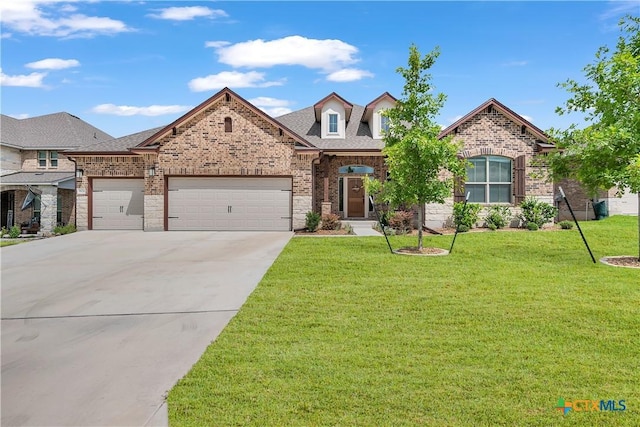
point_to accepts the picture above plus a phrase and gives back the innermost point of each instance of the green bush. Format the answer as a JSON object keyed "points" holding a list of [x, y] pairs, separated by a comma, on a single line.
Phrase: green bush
{"points": [[492, 226], [312, 221], [64, 229], [535, 211], [498, 217], [3, 231], [566, 225], [532, 226], [14, 232], [462, 228], [331, 222], [401, 221], [467, 216]]}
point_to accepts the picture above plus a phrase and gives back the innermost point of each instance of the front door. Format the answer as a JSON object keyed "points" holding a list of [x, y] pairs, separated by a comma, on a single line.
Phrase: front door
{"points": [[355, 198]]}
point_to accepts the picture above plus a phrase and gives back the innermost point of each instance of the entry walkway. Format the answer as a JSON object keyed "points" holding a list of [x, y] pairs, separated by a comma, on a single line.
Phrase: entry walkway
{"points": [[363, 228]]}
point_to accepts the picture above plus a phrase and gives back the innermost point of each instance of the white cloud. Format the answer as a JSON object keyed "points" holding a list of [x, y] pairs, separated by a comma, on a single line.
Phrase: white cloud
{"points": [[188, 13], [326, 55], [272, 106], [49, 18], [515, 63], [455, 119], [233, 79], [152, 110], [348, 75], [527, 118], [20, 116], [53, 64], [216, 44], [30, 80], [618, 8]]}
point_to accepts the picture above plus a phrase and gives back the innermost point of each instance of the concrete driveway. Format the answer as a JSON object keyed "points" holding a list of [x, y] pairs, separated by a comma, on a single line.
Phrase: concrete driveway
{"points": [[98, 326]]}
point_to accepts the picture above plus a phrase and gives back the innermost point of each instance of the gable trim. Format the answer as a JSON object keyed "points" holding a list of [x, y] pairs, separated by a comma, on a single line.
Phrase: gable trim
{"points": [[348, 107]]}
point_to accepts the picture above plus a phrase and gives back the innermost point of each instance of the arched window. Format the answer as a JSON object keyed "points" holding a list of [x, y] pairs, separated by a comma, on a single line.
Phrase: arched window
{"points": [[489, 179], [356, 169], [228, 125]]}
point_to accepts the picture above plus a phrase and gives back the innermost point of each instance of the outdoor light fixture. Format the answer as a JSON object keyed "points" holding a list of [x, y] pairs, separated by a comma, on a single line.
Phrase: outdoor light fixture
{"points": [[79, 173], [152, 171]]}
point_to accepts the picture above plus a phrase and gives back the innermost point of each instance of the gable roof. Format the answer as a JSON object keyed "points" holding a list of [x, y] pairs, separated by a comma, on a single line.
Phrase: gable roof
{"points": [[368, 110], [121, 145], [515, 117], [152, 139], [52, 131], [348, 107]]}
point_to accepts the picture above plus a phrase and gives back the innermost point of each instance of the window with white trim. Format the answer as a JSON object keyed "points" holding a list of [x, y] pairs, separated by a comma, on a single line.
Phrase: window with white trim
{"points": [[53, 159], [384, 124], [333, 123], [42, 159], [489, 179]]}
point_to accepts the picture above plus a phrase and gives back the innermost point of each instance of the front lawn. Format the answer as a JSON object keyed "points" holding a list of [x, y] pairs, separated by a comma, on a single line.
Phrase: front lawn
{"points": [[340, 332]]}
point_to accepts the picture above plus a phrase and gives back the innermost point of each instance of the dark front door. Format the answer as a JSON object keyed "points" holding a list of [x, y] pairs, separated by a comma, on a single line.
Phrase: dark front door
{"points": [[355, 198], [8, 209]]}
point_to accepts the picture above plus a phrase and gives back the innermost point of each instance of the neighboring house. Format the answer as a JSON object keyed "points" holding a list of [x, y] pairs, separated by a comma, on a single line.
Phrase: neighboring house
{"points": [[226, 165], [37, 183]]}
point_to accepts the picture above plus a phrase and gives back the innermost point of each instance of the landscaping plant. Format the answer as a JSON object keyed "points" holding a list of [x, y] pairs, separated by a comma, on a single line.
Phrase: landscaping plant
{"points": [[566, 225], [498, 217], [536, 212], [312, 221], [465, 217], [401, 221], [14, 232], [331, 222]]}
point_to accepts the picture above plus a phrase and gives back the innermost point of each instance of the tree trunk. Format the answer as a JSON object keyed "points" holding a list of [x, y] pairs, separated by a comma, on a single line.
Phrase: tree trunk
{"points": [[420, 222]]}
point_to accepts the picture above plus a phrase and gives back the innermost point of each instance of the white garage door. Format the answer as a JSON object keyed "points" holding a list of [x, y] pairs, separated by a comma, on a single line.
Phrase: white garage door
{"points": [[230, 204], [118, 204]]}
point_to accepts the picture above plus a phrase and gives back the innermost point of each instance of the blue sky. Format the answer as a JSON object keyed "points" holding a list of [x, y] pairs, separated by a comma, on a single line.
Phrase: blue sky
{"points": [[127, 66]]}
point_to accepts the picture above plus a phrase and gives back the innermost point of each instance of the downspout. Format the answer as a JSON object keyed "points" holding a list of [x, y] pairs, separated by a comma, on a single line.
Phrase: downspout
{"points": [[315, 162]]}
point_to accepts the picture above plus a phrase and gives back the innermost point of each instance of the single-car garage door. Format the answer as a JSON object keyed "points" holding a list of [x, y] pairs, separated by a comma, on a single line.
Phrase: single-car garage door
{"points": [[229, 204], [118, 204]]}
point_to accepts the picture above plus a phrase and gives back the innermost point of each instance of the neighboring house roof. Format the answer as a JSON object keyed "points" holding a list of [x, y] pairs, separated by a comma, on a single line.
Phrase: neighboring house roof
{"points": [[117, 145], [357, 133], [507, 112], [52, 131], [37, 178], [368, 110]]}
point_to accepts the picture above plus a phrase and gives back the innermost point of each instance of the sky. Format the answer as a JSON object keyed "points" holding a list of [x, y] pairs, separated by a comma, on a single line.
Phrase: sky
{"points": [[129, 66]]}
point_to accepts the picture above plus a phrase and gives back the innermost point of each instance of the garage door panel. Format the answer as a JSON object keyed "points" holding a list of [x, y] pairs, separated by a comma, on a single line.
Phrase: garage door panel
{"points": [[118, 204], [229, 204]]}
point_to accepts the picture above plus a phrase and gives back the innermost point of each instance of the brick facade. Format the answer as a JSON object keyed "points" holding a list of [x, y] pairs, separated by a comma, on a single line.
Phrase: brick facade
{"points": [[30, 163], [204, 146]]}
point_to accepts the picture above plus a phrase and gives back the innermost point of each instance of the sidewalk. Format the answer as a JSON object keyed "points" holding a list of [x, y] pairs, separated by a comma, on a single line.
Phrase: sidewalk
{"points": [[363, 228]]}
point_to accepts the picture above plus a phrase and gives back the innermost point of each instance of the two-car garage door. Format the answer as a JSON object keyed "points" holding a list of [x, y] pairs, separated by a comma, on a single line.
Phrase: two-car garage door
{"points": [[229, 204], [197, 203]]}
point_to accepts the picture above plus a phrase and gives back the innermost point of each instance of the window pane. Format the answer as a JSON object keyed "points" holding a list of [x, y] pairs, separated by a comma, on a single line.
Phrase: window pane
{"points": [[42, 159], [500, 193], [384, 123], [333, 123], [355, 169], [477, 173], [340, 194], [499, 169], [477, 193], [53, 156]]}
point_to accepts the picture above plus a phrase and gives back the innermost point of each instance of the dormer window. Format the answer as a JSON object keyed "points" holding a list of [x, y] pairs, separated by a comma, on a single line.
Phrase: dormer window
{"points": [[384, 124], [333, 123]]}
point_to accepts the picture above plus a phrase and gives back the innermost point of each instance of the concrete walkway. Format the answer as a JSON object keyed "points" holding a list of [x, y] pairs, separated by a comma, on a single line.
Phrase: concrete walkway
{"points": [[97, 326], [363, 228]]}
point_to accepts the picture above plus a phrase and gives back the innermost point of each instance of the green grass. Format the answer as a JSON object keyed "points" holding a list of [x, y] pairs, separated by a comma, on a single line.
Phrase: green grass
{"points": [[340, 332], [11, 242]]}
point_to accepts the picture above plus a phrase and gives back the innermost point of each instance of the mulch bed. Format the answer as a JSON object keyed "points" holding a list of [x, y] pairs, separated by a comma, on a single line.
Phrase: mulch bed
{"points": [[622, 261], [341, 232], [412, 250]]}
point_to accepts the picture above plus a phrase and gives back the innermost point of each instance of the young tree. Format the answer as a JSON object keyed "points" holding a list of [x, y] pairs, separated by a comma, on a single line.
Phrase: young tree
{"points": [[415, 156], [607, 152]]}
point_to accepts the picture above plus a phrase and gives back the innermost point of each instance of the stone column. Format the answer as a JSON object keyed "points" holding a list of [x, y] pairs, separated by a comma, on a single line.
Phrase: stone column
{"points": [[48, 209]]}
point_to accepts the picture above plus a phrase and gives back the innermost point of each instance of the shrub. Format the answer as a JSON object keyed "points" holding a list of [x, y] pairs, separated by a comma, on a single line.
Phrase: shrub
{"points": [[331, 222], [566, 225], [64, 229], [401, 221], [14, 232], [467, 216], [348, 228], [462, 228], [492, 226], [532, 226], [498, 217], [3, 231], [535, 211], [312, 221]]}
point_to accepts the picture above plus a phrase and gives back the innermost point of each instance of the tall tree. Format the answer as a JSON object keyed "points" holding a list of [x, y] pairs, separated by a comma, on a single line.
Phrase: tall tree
{"points": [[417, 159], [606, 153]]}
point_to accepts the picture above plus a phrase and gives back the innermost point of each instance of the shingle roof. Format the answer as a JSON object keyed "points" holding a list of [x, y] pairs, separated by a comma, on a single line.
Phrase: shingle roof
{"points": [[33, 178], [121, 144], [357, 134], [51, 131]]}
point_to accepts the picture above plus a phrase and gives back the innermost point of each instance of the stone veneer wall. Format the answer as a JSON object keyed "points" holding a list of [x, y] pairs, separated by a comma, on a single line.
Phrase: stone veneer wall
{"points": [[68, 206], [329, 166], [102, 167], [30, 162]]}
